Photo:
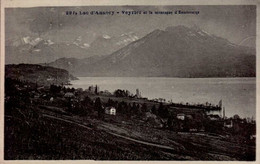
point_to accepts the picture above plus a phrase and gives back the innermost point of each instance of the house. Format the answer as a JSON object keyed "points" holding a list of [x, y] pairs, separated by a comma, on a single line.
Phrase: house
{"points": [[214, 117], [69, 95], [51, 99], [228, 124], [181, 116], [193, 130], [214, 112], [110, 110]]}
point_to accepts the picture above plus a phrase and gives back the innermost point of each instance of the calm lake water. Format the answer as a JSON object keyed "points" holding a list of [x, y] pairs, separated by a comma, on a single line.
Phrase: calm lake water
{"points": [[238, 94]]}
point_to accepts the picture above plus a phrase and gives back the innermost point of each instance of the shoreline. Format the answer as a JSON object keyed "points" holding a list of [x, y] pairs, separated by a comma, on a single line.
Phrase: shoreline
{"points": [[183, 90]]}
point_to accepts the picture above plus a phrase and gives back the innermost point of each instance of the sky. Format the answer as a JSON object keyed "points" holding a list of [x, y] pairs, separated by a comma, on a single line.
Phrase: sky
{"points": [[235, 23]]}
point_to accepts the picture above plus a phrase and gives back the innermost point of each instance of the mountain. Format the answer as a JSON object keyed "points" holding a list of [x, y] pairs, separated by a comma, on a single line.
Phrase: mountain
{"points": [[34, 49], [177, 51], [36, 73], [73, 65], [105, 45], [42, 51]]}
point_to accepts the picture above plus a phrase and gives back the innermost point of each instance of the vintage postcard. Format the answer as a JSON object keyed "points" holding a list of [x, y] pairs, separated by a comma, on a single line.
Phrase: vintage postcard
{"points": [[132, 81]]}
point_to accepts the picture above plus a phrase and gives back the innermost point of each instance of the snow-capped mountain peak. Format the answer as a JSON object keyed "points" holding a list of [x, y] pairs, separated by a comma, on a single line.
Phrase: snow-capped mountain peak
{"points": [[106, 36], [127, 38], [31, 41]]}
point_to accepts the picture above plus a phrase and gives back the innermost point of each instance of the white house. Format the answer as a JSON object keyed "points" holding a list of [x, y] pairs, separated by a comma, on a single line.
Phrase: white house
{"points": [[110, 110], [181, 116], [228, 124]]}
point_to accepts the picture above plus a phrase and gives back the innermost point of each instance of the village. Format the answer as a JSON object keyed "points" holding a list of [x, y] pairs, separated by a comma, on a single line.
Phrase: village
{"points": [[126, 115]]}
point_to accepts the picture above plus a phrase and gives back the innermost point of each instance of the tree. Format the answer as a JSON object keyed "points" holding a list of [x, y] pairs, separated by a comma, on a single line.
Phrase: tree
{"points": [[118, 93], [70, 105], [96, 89], [110, 102], [126, 108], [163, 111], [55, 89], [134, 108], [154, 110], [121, 93], [170, 122], [120, 107], [144, 107], [98, 107], [87, 102]]}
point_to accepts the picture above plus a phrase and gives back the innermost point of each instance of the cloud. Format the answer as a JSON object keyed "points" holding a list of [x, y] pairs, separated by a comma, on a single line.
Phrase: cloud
{"points": [[232, 22]]}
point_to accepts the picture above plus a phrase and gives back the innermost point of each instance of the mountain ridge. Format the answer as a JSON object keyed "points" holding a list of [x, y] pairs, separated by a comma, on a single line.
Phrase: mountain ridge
{"points": [[36, 49], [177, 51]]}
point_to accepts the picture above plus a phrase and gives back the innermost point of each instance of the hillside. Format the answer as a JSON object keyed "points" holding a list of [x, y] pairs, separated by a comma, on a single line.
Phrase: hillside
{"points": [[174, 52], [44, 124], [37, 73], [74, 65]]}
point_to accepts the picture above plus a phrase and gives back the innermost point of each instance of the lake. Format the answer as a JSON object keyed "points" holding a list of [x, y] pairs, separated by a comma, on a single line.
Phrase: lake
{"points": [[238, 95]]}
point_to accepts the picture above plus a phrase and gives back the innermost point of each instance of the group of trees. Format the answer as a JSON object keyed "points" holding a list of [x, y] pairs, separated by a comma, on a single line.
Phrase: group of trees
{"points": [[56, 89], [128, 108], [161, 111], [84, 107], [138, 109], [99, 108], [88, 106], [15, 95], [122, 93]]}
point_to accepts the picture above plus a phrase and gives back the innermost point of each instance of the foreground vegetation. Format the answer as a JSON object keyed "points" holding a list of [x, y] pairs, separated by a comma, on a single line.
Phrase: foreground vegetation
{"points": [[54, 122]]}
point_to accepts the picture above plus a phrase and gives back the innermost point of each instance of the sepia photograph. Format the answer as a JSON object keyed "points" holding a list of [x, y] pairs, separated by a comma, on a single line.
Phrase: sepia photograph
{"points": [[130, 82]]}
